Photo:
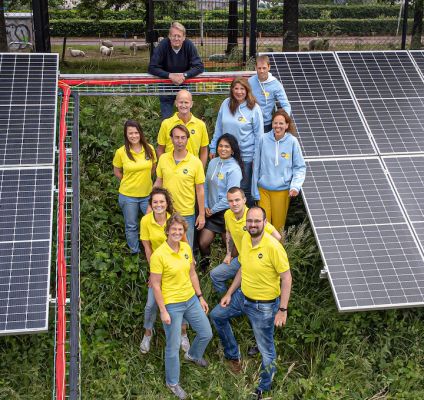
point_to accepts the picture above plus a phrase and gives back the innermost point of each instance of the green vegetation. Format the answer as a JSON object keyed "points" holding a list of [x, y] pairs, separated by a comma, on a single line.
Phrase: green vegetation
{"points": [[323, 355]]}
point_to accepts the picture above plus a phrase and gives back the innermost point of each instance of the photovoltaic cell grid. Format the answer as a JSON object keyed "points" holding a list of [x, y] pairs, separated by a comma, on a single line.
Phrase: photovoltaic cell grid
{"points": [[326, 117], [28, 95], [418, 56]]}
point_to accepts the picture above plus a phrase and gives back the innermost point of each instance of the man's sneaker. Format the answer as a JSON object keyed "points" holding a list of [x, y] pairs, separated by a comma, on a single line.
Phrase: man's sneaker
{"points": [[177, 390], [235, 366], [253, 351], [258, 395], [185, 343], [145, 344], [201, 362]]}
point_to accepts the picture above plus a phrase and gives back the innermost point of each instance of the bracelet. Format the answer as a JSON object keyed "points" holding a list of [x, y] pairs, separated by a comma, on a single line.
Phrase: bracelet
{"points": [[282, 309], [199, 295]]}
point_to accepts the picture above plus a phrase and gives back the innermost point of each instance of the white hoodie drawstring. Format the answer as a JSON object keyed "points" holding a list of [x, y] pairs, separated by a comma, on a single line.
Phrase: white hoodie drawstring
{"points": [[276, 161]]}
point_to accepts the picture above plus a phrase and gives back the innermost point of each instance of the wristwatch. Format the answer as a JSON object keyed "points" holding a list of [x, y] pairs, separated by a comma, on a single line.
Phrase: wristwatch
{"points": [[185, 75], [282, 309]]}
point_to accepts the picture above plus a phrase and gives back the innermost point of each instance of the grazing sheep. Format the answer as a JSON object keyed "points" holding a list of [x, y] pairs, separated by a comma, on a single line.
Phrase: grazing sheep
{"points": [[76, 53], [319, 44], [106, 51], [107, 43], [138, 46]]}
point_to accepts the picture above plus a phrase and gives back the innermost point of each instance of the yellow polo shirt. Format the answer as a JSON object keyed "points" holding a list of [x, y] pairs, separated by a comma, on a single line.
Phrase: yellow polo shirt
{"points": [[237, 227], [152, 231], [261, 267], [137, 175], [198, 133], [180, 180], [175, 270]]}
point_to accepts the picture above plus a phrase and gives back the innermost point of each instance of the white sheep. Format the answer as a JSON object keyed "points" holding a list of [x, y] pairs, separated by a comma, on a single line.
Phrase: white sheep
{"points": [[134, 46], [106, 51], [76, 53], [107, 43]]}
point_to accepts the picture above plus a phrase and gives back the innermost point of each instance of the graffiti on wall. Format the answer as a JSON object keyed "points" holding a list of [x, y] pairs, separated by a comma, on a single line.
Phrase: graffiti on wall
{"points": [[19, 30]]}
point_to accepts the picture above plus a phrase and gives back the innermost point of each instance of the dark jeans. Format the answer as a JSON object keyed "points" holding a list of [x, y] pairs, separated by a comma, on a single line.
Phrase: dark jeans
{"points": [[167, 106], [246, 182]]}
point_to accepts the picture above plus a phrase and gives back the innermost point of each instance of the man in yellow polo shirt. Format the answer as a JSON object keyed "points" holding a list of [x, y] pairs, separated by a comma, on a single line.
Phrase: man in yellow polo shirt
{"points": [[182, 174], [265, 281], [199, 139]]}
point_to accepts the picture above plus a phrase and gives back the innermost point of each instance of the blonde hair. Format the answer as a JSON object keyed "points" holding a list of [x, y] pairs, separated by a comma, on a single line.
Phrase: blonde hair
{"points": [[177, 25], [176, 219]]}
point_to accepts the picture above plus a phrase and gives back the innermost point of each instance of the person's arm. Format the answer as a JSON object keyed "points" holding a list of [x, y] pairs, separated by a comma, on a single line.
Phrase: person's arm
{"points": [[196, 286], [203, 155], [156, 280], [118, 172], [286, 283], [256, 170], [200, 195], [218, 131], [158, 182], [147, 249], [154, 165], [258, 126], [276, 234], [225, 301], [156, 65], [299, 170], [229, 244], [160, 150], [195, 62], [281, 97]]}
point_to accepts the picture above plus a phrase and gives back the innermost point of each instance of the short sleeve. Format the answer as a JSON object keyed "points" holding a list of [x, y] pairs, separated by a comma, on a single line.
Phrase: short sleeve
{"points": [[205, 137], [162, 133], [159, 168], [155, 159], [280, 260], [200, 173], [269, 228], [117, 160], [156, 264], [144, 230]]}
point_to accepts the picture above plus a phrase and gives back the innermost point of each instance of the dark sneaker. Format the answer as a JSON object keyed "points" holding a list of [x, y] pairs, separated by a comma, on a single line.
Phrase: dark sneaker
{"points": [[253, 351], [177, 390], [201, 363], [235, 366], [258, 395]]}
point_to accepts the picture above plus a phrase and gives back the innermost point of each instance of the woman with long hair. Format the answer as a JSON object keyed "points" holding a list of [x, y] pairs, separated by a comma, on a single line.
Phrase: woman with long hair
{"points": [[178, 295], [279, 169], [134, 165], [224, 172], [152, 235], [241, 116]]}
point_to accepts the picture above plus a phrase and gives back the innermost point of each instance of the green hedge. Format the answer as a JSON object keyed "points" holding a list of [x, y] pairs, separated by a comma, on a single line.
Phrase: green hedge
{"points": [[305, 12], [307, 27]]}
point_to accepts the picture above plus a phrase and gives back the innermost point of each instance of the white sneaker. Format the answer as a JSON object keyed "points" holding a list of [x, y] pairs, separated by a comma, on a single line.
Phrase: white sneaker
{"points": [[145, 344], [177, 390], [185, 343]]}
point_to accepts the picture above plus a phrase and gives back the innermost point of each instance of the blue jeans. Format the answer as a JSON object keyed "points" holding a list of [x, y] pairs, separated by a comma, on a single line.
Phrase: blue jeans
{"points": [[246, 182], [221, 273], [131, 207], [167, 106], [191, 220], [151, 310], [193, 312], [261, 317]]}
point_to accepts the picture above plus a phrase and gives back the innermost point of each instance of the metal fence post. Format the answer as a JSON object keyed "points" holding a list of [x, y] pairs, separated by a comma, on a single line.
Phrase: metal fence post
{"points": [[253, 27]]}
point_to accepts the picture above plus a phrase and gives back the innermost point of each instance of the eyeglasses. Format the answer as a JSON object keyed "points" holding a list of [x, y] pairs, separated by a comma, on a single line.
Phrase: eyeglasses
{"points": [[176, 36]]}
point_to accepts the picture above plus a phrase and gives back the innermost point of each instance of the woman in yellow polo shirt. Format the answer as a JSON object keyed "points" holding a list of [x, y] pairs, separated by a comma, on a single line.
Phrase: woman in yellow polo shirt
{"points": [[134, 165], [178, 295], [152, 235]]}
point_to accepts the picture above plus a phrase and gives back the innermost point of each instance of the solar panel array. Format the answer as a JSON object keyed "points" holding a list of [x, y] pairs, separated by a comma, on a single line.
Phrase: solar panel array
{"points": [[360, 119], [28, 95]]}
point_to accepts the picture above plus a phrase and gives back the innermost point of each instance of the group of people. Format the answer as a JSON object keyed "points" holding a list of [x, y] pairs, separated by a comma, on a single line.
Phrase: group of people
{"points": [[254, 157]]}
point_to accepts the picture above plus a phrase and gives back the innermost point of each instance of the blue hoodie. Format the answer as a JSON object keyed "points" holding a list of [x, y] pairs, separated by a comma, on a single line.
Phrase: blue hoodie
{"points": [[267, 93], [245, 125], [278, 165], [220, 176]]}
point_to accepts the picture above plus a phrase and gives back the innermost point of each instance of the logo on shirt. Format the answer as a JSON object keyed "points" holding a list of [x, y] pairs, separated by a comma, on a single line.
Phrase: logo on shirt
{"points": [[260, 255], [185, 171], [186, 256], [220, 176], [192, 131], [266, 94], [242, 119], [285, 155]]}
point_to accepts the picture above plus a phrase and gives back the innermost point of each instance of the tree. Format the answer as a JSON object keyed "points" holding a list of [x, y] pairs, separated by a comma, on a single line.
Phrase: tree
{"points": [[291, 25], [232, 35], [3, 34], [417, 28]]}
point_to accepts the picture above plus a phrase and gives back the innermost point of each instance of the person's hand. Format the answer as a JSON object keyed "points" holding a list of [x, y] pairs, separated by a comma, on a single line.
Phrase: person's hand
{"points": [[204, 305], [227, 259], [293, 193], [200, 222], [208, 212], [225, 300], [149, 283], [211, 156], [176, 78], [280, 319], [165, 317]]}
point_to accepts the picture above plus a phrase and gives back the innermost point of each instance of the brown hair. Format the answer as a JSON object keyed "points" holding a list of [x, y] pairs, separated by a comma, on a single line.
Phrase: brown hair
{"points": [[147, 149], [176, 219], [168, 198], [236, 189], [262, 58], [292, 127], [182, 128], [250, 99]]}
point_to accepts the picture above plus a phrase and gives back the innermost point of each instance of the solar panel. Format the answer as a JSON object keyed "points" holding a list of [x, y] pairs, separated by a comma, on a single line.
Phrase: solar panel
{"points": [[350, 192], [418, 56], [373, 266], [396, 124], [419, 230], [385, 74], [331, 129], [309, 76], [28, 95], [408, 176]]}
